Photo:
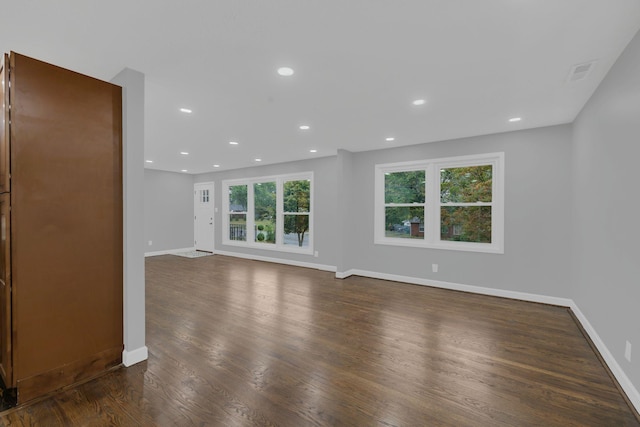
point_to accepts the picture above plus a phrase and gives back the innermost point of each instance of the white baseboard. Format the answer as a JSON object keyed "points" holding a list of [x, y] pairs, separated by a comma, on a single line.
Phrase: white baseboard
{"points": [[565, 302], [130, 358], [624, 381], [169, 252], [278, 260], [344, 274]]}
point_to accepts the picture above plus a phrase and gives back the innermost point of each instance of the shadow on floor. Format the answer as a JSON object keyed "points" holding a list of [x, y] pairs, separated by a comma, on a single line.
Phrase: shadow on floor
{"points": [[8, 397]]}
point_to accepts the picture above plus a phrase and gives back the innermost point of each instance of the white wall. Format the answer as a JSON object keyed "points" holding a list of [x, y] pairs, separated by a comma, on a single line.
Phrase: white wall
{"points": [[324, 208], [168, 207], [537, 221], [606, 184], [537, 216]]}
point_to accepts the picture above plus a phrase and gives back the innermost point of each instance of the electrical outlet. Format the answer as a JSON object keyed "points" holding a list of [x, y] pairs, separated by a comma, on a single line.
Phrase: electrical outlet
{"points": [[434, 268], [150, 243], [627, 351], [315, 254]]}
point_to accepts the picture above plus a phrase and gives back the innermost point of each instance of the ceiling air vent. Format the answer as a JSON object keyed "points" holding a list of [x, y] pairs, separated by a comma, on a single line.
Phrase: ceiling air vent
{"points": [[580, 71]]}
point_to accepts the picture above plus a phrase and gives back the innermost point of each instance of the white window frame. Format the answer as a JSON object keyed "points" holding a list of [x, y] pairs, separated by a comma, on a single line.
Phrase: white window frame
{"points": [[433, 204], [250, 236]]}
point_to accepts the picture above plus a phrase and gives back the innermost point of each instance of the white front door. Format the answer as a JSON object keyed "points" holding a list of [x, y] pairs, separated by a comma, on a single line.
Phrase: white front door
{"points": [[203, 216]]}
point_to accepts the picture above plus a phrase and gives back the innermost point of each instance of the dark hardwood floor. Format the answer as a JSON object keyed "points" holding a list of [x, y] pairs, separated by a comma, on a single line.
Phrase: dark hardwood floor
{"points": [[239, 343]]}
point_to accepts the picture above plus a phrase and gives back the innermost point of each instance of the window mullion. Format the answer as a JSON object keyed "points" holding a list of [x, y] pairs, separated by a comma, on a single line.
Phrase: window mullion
{"points": [[225, 217], [310, 213], [251, 222], [467, 204], [497, 202], [279, 212], [379, 205], [432, 209]]}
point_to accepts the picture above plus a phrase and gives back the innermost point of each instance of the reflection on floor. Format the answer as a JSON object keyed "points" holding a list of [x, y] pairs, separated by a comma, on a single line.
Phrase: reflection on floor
{"points": [[8, 397], [193, 254]]}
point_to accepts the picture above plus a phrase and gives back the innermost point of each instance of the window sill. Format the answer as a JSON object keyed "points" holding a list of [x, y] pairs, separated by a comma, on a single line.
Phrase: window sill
{"points": [[269, 247], [449, 246]]}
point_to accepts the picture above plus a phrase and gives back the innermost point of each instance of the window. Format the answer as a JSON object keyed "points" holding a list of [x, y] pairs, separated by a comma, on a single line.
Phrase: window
{"points": [[297, 209], [237, 215], [264, 209], [404, 201], [451, 203], [270, 212], [204, 196]]}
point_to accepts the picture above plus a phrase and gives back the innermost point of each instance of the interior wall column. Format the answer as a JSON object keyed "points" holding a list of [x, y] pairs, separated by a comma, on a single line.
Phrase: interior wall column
{"points": [[344, 197], [132, 83]]}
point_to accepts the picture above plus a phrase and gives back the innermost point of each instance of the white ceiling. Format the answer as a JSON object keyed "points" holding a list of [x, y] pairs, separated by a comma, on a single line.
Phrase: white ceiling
{"points": [[358, 66]]}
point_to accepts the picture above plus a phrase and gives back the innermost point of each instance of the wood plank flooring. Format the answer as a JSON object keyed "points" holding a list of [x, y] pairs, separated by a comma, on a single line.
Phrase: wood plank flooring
{"points": [[241, 343]]}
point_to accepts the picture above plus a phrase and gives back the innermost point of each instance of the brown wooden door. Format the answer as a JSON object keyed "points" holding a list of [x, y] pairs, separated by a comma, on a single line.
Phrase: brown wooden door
{"points": [[4, 124], [6, 353], [66, 225]]}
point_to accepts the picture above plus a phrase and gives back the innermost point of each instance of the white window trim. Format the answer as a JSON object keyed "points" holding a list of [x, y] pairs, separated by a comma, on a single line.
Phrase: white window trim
{"points": [[279, 244], [432, 203]]}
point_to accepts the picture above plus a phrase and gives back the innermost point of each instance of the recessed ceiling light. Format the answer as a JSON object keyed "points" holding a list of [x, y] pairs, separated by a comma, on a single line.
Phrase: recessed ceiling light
{"points": [[515, 119], [285, 71], [184, 170], [216, 166], [305, 127], [419, 102], [389, 139], [186, 110], [258, 160], [313, 151], [233, 143], [148, 161], [184, 153]]}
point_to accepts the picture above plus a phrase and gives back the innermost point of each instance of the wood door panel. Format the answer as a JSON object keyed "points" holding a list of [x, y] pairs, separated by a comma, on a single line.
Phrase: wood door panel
{"points": [[4, 125], [6, 362], [6, 355]]}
